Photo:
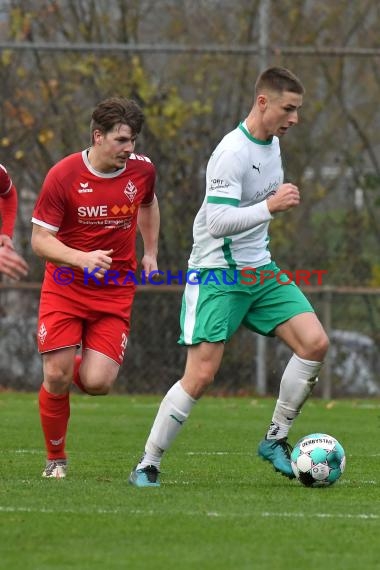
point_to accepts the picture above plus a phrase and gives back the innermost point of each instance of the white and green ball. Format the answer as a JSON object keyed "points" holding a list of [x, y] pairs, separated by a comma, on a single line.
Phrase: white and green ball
{"points": [[318, 460]]}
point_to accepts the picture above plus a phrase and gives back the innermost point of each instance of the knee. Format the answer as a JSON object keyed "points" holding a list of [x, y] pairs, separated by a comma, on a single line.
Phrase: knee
{"points": [[96, 386], [100, 390], [56, 378], [206, 376], [97, 390], [197, 383], [317, 346], [322, 345], [202, 364], [205, 373]]}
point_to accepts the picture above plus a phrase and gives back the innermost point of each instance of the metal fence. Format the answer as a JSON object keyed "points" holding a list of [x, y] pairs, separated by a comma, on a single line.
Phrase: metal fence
{"points": [[155, 361], [334, 49]]}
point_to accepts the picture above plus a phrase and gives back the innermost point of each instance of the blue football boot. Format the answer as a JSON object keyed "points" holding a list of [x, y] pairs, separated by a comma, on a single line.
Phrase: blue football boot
{"points": [[277, 452], [145, 477]]}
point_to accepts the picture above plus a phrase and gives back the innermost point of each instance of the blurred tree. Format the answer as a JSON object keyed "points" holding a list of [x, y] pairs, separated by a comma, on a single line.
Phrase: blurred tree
{"points": [[192, 100]]}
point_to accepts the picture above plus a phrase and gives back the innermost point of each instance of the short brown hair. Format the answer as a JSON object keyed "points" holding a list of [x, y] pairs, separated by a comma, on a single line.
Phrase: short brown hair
{"points": [[114, 111], [279, 79]]}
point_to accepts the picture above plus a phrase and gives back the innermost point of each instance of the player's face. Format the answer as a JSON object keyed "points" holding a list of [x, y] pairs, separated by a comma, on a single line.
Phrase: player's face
{"points": [[281, 112], [114, 148]]}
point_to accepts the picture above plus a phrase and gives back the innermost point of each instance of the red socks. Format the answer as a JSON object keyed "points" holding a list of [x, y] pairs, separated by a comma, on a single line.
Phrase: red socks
{"points": [[54, 414]]}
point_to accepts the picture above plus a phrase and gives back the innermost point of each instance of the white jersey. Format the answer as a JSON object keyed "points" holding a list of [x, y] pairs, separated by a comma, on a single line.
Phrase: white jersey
{"points": [[242, 172]]}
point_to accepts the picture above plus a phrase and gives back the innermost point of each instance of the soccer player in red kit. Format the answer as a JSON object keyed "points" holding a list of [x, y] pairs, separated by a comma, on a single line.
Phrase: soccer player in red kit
{"points": [[84, 225], [11, 264]]}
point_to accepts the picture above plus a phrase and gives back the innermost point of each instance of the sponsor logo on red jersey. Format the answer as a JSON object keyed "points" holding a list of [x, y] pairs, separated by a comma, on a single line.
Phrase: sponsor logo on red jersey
{"points": [[130, 191], [103, 211], [84, 188]]}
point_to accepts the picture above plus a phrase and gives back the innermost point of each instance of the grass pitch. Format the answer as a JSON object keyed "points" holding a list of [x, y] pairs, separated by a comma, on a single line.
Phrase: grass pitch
{"points": [[219, 506]]}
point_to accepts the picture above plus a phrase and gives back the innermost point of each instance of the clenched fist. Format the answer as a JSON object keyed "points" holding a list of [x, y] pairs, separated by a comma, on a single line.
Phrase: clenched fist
{"points": [[286, 197]]}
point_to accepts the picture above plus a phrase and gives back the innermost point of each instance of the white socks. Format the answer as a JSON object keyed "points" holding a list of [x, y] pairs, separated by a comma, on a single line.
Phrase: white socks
{"points": [[173, 412], [297, 383]]}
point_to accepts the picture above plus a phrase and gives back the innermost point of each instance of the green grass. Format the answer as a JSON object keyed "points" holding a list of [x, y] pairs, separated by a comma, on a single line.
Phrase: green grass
{"points": [[219, 506]]}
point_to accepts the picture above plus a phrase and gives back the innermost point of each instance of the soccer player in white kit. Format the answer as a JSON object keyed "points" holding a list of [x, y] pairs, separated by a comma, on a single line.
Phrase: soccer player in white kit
{"points": [[233, 281]]}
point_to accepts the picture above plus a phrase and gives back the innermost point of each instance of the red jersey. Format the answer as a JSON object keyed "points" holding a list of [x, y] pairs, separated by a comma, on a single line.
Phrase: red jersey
{"points": [[8, 203], [92, 210]]}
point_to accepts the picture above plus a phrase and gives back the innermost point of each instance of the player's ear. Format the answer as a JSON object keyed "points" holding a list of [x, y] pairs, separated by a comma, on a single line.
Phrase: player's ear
{"points": [[97, 136], [262, 101]]}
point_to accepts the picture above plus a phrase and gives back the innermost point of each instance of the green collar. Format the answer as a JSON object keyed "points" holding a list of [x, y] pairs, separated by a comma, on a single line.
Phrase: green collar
{"points": [[251, 138]]}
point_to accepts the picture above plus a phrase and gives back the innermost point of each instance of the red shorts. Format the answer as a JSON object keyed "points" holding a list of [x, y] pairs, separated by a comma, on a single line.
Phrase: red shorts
{"points": [[100, 326]]}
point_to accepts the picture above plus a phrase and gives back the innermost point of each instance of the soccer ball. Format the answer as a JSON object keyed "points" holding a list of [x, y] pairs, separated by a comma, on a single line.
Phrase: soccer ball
{"points": [[318, 460]]}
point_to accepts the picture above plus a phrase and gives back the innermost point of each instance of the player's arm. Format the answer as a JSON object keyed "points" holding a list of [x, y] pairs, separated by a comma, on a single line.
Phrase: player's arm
{"points": [[225, 219], [46, 245], [11, 264], [225, 173], [148, 221], [8, 211], [8, 208]]}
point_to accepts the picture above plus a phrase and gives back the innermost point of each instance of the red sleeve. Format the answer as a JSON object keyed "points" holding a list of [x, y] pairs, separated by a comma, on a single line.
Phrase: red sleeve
{"points": [[5, 181], [8, 211], [150, 185], [50, 206]]}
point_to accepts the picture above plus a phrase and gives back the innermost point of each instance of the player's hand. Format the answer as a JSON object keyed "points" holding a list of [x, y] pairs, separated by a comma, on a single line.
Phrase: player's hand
{"points": [[100, 259], [12, 264], [6, 240], [286, 197], [149, 263]]}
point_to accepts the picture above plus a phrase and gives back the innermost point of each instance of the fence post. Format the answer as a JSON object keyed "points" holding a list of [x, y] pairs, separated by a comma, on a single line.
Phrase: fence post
{"points": [[261, 365], [327, 323]]}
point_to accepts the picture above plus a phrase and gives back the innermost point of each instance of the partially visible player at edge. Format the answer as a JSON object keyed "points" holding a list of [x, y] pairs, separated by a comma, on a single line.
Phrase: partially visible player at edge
{"points": [[86, 218], [244, 190], [11, 263]]}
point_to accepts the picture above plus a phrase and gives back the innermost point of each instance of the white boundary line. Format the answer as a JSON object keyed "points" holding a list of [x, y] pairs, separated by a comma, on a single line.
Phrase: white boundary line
{"points": [[213, 514], [247, 453]]}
